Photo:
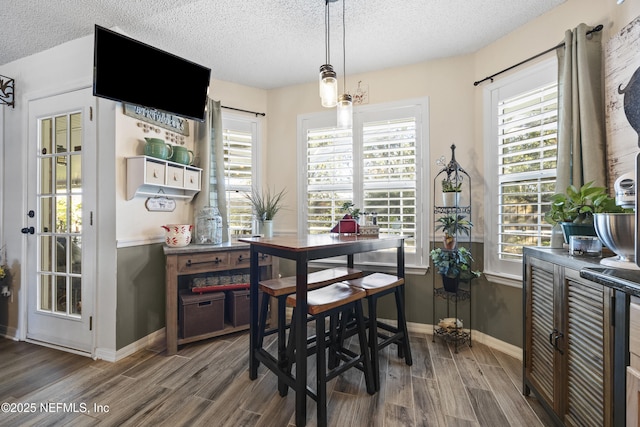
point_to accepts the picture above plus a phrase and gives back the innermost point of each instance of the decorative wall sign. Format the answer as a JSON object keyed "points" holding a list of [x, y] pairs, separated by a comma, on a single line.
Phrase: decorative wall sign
{"points": [[621, 60], [160, 204], [158, 118], [361, 94], [7, 86]]}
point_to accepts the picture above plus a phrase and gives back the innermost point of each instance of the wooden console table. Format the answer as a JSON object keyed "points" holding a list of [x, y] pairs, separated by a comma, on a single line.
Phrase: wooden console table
{"points": [[196, 259]]}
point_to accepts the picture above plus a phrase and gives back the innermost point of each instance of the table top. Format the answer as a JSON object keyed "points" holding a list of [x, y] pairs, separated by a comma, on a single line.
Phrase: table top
{"points": [[307, 242]]}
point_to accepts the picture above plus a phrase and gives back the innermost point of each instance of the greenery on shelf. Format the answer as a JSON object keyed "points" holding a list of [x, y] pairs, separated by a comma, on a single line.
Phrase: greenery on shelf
{"points": [[449, 186], [453, 224], [578, 205], [266, 203], [350, 209], [454, 263]]}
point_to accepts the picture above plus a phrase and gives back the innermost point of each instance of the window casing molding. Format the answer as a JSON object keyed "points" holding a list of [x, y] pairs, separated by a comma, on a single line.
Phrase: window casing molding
{"points": [[418, 108], [507, 271]]}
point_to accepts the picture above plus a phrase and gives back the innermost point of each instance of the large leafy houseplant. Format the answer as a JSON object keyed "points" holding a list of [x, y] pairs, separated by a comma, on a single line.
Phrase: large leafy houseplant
{"points": [[453, 265], [577, 205]]}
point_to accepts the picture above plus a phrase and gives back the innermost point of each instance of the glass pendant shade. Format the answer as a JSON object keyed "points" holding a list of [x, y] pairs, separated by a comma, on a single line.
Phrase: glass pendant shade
{"points": [[345, 111], [328, 86]]}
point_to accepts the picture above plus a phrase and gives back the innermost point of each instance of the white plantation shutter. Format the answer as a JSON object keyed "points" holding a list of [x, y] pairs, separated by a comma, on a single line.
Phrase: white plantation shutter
{"points": [[525, 123], [239, 141], [377, 166]]}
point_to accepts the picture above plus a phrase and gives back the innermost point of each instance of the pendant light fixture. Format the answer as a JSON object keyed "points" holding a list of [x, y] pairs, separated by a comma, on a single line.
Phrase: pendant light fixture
{"points": [[328, 79], [345, 103]]}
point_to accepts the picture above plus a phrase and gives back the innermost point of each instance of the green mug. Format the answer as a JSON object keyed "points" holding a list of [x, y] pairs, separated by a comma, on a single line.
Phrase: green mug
{"points": [[156, 147], [182, 155]]}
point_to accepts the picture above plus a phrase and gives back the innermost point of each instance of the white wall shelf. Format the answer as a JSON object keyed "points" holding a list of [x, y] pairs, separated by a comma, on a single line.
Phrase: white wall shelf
{"points": [[146, 176]]}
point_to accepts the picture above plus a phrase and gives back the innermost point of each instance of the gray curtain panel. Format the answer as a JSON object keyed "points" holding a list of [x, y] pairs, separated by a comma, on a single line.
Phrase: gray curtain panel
{"points": [[581, 118], [210, 153]]}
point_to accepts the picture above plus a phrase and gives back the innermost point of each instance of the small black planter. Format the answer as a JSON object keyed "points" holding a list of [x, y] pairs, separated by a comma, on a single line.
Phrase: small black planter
{"points": [[450, 283]]}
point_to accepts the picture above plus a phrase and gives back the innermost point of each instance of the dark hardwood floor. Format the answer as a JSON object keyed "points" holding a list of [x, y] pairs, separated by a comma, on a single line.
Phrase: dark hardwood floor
{"points": [[207, 384]]}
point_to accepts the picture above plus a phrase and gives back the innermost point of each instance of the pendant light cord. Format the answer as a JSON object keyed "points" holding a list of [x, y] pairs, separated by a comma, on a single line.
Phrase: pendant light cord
{"points": [[344, 48], [326, 32]]}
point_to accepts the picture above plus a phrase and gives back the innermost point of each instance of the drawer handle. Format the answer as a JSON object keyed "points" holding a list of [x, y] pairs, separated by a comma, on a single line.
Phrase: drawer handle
{"points": [[215, 261], [261, 257], [175, 177], [155, 174], [191, 180]]}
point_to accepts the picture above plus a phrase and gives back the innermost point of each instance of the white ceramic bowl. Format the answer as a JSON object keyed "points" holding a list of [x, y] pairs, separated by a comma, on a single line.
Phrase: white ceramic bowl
{"points": [[177, 235], [617, 231]]}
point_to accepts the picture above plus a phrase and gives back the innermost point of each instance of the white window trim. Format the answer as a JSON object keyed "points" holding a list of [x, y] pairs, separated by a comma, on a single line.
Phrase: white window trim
{"points": [[502, 271], [328, 118]]}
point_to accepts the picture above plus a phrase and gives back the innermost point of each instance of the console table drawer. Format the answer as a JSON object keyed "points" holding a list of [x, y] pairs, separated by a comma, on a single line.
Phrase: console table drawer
{"points": [[203, 262], [241, 259]]}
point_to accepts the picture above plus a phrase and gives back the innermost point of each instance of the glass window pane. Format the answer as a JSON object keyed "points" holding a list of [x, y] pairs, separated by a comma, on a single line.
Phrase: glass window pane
{"points": [[76, 214], [61, 174], [46, 215], [45, 292], [61, 214], [61, 294], [61, 254], [76, 132], [76, 173], [76, 296], [61, 134], [46, 186], [45, 253], [45, 136], [76, 255]]}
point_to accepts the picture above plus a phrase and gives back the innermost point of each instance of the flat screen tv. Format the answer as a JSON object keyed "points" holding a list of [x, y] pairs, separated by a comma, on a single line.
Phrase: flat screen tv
{"points": [[130, 71]]}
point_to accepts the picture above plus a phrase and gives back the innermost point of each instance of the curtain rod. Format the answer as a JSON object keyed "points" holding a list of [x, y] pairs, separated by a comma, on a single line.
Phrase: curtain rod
{"points": [[244, 111], [595, 30]]}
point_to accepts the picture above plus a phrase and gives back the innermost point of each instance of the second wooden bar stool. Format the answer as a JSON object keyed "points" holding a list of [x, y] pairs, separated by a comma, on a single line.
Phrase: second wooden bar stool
{"points": [[377, 285], [338, 299]]}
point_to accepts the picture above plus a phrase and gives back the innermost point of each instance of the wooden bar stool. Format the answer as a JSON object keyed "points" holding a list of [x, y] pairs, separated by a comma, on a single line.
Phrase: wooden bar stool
{"points": [[338, 299], [280, 289], [377, 285]]}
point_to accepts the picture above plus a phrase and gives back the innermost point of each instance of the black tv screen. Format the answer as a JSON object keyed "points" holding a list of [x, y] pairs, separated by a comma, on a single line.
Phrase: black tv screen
{"points": [[130, 71]]}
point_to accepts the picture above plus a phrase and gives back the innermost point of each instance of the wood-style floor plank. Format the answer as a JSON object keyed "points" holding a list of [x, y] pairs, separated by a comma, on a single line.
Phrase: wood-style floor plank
{"points": [[207, 383]]}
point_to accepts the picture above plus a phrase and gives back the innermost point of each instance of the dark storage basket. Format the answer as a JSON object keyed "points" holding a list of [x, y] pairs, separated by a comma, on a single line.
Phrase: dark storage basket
{"points": [[237, 303], [201, 313]]}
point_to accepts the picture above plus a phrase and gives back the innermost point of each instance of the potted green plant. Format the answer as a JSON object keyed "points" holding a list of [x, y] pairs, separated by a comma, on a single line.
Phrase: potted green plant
{"points": [[574, 209], [266, 204], [451, 192], [453, 265], [452, 225]]}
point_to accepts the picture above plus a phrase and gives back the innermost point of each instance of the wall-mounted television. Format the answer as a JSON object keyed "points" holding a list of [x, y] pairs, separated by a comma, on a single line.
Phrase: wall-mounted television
{"points": [[130, 71]]}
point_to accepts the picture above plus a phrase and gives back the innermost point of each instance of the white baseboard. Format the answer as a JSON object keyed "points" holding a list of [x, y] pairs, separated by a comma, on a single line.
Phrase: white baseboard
{"points": [[150, 340], [477, 336]]}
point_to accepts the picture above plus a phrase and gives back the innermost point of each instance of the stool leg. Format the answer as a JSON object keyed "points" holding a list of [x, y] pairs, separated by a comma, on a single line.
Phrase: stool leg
{"points": [[373, 341], [282, 342], [321, 372], [366, 360], [263, 319], [333, 334], [402, 326]]}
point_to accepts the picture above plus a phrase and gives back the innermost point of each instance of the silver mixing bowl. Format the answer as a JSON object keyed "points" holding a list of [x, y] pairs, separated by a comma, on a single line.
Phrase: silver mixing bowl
{"points": [[617, 231]]}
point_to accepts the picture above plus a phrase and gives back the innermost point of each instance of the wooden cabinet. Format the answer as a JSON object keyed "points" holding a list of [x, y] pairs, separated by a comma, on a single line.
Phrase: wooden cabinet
{"points": [[633, 370], [184, 263], [146, 176], [568, 343]]}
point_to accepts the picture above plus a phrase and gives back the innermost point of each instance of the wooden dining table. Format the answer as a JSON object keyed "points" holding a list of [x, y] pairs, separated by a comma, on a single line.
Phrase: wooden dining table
{"points": [[302, 249]]}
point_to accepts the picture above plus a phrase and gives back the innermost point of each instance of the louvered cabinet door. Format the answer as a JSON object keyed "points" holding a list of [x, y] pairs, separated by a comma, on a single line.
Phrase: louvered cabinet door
{"points": [[541, 358], [588, 352]]}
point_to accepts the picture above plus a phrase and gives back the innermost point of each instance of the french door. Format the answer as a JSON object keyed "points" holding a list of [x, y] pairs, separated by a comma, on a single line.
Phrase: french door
{"points": [[60, 240]]}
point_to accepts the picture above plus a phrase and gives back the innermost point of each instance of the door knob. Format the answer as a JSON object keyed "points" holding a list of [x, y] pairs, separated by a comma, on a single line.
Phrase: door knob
{"points": [[28, 230]]}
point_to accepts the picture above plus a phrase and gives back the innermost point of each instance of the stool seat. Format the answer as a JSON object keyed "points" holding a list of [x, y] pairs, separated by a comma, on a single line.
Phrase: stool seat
{"points": [[329, 297], [376, 282], [317, 279]]}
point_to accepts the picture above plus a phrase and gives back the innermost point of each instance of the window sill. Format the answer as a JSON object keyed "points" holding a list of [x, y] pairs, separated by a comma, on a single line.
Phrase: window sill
{"points": [[504, 279]]}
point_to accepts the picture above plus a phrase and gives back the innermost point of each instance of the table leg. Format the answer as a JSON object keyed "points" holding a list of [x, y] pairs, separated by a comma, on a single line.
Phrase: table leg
{"points": [[301, 339], [171, 301], [253, 314]]}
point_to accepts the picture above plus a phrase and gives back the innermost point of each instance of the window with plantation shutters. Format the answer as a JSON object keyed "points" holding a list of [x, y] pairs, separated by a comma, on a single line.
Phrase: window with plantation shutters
{"points": [[377, 165], [521, 165], [239, 141]]}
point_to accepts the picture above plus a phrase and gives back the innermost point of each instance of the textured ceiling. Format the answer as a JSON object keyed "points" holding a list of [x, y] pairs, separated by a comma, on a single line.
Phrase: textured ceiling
{"points": [[273, 43]]}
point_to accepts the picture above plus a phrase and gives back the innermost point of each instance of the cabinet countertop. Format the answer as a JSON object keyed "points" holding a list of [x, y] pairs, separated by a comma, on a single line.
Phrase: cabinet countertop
{"points": [[193, 248], [625, 280]]}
